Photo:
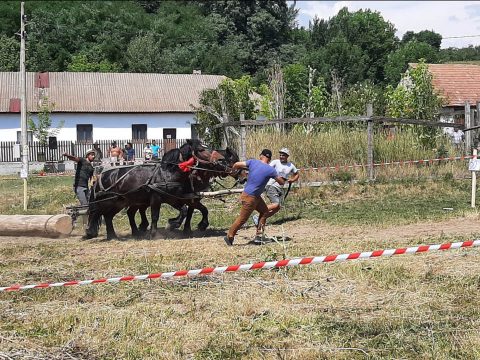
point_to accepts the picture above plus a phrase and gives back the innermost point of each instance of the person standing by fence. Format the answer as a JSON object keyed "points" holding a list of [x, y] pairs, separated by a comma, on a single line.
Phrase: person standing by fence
{"points": [[98, 154], [129, 154], [115, 153], [155, 150], [147, 152]]}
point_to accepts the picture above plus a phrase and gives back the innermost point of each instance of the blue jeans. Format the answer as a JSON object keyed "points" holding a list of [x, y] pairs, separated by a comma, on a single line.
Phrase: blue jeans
{"points": [[82, 194]]}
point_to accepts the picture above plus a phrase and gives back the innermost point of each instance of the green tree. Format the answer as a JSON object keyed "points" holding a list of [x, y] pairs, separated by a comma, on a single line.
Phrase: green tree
{"points": [[416, 98], [9, 53], [412, 51], [426, 36], [224, 104], [358, 44], [42, 127], [80, 63]]}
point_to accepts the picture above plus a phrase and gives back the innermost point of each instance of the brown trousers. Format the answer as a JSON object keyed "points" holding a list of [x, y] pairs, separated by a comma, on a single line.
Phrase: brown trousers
{"points": [[249, 204]]}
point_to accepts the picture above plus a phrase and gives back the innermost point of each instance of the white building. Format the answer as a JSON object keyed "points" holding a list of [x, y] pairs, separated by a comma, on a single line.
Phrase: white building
{"points": [[103, 106]]}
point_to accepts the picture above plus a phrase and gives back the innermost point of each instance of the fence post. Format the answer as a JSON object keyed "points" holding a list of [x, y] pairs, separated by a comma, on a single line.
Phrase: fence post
{"points": [[243, 139], [468, 124], [371, 175], [474, 179]]}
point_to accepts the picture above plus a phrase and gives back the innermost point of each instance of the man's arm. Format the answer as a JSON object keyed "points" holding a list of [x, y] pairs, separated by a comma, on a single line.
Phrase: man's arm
{"points": [[240, 165], [71, 157], [294, 177], [280, 180]]}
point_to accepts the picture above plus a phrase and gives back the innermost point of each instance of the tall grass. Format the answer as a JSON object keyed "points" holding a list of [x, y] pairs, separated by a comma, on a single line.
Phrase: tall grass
{"points": [[344, 145]]}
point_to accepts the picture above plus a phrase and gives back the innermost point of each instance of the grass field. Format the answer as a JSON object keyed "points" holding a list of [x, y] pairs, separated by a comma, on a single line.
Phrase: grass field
{"points": [[412, 306]]}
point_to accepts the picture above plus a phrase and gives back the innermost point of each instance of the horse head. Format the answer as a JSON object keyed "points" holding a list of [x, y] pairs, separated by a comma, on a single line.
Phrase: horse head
{"points": [[230, 157]]}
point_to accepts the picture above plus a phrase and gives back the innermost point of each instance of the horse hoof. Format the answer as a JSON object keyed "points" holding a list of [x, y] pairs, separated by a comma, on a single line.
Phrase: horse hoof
{"points": [[202, 228]]}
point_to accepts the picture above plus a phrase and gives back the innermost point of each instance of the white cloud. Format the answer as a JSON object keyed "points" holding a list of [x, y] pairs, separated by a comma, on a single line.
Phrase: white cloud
{"points": [[448, 18]]}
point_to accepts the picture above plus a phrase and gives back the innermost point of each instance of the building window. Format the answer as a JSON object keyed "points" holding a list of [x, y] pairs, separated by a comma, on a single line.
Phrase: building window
{"points": [[84, 132], [139, 131], [170, 133], [29, 137]]}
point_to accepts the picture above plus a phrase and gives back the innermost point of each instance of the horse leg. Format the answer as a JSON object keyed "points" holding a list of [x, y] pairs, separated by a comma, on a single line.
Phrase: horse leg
{"points": [[187, 228], [132, 210], [94, 222], [155, 213], [109, 225], [203, 224], [144, 224], [175, 223]]}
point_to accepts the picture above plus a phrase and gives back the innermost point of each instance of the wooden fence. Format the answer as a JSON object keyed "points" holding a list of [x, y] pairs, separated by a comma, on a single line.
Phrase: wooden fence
{"points": [[41, 153]]}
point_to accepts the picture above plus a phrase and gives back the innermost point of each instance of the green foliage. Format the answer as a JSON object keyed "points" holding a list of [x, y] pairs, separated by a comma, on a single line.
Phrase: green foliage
{"points": [[80, 63], [42, 127], [411, 51], [426, 36], [415, 98], [9, 54], [224, 104]]}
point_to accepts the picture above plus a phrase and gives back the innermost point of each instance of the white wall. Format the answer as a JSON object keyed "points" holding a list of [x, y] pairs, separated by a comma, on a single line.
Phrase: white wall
{"points": [[106, 126]]}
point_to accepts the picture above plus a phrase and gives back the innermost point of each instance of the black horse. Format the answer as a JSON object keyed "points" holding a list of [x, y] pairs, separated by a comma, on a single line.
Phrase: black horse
{"points": [[130, 187], [122, 187]]}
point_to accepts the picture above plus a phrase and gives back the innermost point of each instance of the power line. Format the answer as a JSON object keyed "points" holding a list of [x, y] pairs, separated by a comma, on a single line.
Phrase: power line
{"points": [[460, 37]]}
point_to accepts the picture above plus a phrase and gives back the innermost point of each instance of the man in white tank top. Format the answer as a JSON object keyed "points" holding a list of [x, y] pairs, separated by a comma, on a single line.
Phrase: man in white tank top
{"points": [[275, 191]]}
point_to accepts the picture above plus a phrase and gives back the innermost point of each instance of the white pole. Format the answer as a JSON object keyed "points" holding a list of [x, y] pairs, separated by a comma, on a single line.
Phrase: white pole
{"points": [[23, 109], [474, 179]]}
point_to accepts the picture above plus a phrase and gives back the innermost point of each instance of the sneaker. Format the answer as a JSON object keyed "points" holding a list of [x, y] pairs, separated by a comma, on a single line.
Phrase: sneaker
{"points": [[228, 241], [258, 240], [255, 219]]}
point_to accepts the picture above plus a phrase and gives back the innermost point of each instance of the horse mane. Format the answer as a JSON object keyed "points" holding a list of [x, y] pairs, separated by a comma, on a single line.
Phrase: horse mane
{"points": [[173, 157]]}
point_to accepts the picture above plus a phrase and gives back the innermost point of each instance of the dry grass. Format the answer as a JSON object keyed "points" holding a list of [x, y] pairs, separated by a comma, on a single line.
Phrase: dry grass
{"points": [[423, 306]]}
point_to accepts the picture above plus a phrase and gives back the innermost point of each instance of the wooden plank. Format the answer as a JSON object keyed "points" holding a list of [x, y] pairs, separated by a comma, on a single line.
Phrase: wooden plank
{"points": [[319, 120]]}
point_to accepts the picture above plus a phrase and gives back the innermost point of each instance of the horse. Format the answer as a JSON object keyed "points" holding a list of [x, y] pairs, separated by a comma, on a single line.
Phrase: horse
{"points": [[201, 182], [181, 195], [132, 187], [122, 187]]}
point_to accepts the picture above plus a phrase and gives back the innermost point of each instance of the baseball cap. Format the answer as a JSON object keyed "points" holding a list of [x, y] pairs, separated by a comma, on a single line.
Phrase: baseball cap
{"points": [[90, 151], [267, 153], [285, 151]]}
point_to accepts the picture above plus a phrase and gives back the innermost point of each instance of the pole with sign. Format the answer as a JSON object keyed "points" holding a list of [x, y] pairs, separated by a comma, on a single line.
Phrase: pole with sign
{"points": [[474, 166]]}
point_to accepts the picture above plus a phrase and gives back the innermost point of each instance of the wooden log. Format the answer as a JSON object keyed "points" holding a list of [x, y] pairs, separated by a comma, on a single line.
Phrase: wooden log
{"points": [[35, 225]]}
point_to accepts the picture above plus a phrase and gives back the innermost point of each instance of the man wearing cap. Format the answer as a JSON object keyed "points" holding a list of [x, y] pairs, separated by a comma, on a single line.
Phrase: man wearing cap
{"points": [[147, 152], [274, 190], [259, 172], [82, 175]]}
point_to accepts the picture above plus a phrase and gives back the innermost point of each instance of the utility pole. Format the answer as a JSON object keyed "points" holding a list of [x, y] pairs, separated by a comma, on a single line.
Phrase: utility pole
{"points": [[23, 108]]}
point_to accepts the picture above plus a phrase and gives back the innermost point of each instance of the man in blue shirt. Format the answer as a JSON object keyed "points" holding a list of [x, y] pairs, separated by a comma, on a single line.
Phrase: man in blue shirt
{"points": [[155, 150], [259, 172]]}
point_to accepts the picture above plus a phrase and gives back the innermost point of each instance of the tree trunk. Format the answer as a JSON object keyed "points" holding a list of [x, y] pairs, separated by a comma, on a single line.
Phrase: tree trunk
{"points": [[35, 225]]}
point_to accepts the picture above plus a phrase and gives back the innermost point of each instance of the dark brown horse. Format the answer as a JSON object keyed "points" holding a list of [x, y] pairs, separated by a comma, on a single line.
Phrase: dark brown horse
{"points": [[201, 182]]}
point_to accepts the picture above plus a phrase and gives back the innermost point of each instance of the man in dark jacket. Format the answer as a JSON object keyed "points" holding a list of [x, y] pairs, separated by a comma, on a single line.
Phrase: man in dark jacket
{"points": [[82, 175]]}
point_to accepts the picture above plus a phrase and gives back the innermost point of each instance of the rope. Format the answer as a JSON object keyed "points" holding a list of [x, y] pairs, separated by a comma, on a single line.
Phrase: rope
{"points": [[255, 266]]}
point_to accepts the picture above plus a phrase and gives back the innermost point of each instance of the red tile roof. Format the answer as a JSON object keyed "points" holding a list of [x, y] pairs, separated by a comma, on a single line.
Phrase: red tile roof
{"points": [[458, 83]]}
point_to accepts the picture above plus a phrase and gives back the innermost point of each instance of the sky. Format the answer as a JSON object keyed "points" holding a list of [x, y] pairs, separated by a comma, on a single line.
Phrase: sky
{"points": [[448, 18]]}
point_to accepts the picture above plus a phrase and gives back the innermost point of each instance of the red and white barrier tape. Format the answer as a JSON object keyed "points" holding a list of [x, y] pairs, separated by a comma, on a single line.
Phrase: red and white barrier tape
{"points": [[256, 266], [393, 163]]}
